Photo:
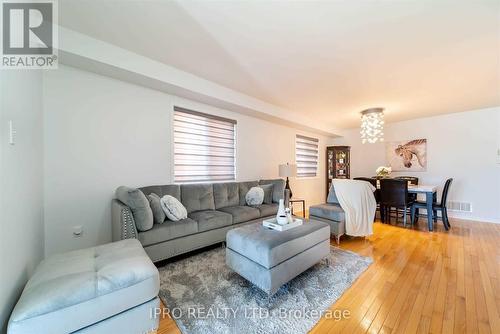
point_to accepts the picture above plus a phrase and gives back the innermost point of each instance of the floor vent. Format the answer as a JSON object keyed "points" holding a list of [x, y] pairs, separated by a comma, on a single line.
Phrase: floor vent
{"points": [[459, 206]]}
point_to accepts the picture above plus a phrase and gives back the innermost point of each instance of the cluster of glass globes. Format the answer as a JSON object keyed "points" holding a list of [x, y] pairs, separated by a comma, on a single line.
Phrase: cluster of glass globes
{"points": [[372, 125]]}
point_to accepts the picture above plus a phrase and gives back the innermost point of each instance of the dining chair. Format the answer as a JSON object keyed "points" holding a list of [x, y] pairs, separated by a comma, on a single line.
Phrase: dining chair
{"points": [[394, 194], [413, 180], [442, 206]]}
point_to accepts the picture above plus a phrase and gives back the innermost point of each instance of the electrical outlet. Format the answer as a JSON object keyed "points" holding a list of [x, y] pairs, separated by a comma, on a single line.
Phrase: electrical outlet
{"points": [[77, 231]]}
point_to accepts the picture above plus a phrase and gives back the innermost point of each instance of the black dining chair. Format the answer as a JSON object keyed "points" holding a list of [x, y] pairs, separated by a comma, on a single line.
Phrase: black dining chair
{"points": [[394, 194], [435, 206], [413, 180], [373, 182]]}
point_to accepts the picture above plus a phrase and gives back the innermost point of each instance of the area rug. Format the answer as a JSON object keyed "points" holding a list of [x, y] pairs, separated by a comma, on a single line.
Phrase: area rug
{"points": [[203, 296]]}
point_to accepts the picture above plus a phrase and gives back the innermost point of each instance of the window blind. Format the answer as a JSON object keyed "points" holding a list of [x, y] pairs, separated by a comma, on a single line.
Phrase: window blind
{"points": [[204, 147], [306, 156]]}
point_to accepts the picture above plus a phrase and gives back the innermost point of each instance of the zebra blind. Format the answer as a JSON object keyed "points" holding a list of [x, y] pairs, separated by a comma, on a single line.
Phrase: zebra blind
{"points": [[306, 156], [204, 147]]}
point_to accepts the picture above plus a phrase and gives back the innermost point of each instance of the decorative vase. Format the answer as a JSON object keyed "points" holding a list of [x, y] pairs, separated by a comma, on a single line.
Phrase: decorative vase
{"points": [[289, 217], [281, 215]]}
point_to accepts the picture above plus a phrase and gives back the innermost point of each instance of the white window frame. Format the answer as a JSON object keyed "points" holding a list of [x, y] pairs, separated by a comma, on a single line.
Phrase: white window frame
{"points": [[300, 163], [186, 112]]}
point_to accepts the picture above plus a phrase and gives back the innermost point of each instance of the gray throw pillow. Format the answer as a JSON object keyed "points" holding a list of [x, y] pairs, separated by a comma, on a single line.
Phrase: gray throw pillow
{"points": [[268, 193], [158, 213], [139, 205], [255, 196], [332, 197], [278, 188]]}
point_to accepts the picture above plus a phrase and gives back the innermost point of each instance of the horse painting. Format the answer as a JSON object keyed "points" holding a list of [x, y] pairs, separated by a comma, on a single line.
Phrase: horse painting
{"points": [[407, 156]]}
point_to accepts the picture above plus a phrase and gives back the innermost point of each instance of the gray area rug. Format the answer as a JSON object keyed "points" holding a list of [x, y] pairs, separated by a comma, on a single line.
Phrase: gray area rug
{"points": [[203, 296]]}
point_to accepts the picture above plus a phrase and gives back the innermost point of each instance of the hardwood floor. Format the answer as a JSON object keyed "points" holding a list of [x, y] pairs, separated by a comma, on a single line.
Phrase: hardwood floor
{"points": [[420, 282]]}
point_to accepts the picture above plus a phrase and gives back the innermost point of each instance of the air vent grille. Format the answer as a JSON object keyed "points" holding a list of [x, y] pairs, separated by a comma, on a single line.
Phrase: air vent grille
{"points": [[459, 206]]}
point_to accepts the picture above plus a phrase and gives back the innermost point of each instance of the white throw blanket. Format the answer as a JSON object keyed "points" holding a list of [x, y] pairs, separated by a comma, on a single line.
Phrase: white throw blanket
{"points": [[358, 202]]}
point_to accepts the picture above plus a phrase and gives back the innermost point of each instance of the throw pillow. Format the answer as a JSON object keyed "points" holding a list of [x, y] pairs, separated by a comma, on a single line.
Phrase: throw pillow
{"points": [[174, 209], [332, 197], [278, 188], [255, 196], [139, 205], [158, 213], [268, 193]]}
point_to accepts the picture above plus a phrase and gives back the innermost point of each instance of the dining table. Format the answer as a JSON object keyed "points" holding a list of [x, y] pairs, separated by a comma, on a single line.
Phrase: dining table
{"points": [[430, 192]]}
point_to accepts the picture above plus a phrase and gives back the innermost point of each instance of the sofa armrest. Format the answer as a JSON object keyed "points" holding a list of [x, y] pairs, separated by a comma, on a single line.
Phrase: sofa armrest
{"points": [[122, 221]]}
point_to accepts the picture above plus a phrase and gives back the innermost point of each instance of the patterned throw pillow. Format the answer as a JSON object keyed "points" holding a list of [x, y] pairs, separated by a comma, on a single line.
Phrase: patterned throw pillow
{"points": [[255, 196], [174, 209]]}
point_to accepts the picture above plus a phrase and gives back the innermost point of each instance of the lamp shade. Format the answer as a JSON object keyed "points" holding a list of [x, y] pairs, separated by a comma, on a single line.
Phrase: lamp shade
{"points": [[287, 170]]}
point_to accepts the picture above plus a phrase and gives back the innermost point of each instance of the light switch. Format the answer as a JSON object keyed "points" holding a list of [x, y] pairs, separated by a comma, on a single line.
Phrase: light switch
{"points": [[77, 231], [12, 133]]}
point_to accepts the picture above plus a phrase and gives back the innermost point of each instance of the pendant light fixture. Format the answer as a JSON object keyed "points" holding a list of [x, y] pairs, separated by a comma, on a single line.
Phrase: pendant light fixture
{"points": [[372, 125]]}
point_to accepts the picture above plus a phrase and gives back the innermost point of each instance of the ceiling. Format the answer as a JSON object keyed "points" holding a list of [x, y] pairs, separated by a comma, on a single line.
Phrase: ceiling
{"points": [[326, 59]]}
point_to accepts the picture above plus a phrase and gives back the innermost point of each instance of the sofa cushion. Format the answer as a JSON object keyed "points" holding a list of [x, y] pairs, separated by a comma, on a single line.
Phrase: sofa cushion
{"points": [[197, 197], [242, 213], [169, 189], [211, 219], [328, 211], [278, 188], [244, 187], [226, 194], [138, 204], [158, 213], [268, 209], [168, 231], [73, 290]]}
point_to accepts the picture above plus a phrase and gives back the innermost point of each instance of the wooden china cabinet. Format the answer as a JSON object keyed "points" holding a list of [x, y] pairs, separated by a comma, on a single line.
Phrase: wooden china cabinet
{"points": [[338, 159]]}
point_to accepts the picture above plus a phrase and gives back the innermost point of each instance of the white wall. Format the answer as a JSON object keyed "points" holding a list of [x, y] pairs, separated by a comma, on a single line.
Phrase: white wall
{"points": [[101, 133], [21, 217], [460, 145]]}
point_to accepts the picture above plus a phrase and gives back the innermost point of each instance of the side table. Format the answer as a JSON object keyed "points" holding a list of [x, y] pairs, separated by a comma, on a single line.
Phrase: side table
{"points": [[298, 200]]}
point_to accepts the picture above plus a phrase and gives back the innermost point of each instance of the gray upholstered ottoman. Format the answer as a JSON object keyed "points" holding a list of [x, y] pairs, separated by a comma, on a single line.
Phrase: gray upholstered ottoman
{"points": [[106, 289], [270, 258]]}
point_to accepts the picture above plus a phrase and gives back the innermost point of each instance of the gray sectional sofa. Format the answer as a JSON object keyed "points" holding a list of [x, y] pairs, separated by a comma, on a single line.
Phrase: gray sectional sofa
{"points": [[213, 209]]}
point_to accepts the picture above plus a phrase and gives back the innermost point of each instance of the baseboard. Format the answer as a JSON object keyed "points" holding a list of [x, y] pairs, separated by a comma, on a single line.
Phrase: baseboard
{"points": [[456, 215]]}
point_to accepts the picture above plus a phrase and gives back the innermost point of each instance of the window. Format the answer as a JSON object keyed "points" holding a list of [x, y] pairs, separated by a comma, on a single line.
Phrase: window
{"points": [[204, 147], [306, 156]]}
